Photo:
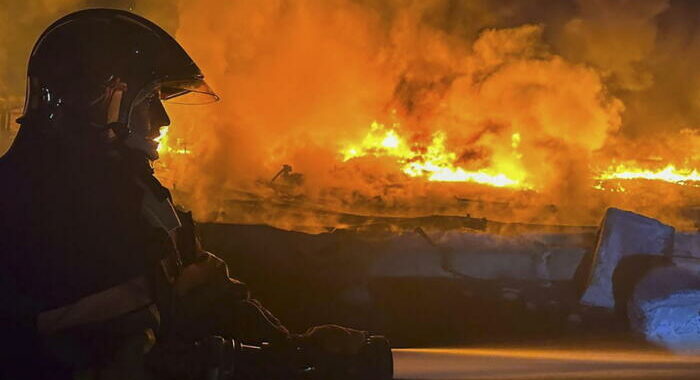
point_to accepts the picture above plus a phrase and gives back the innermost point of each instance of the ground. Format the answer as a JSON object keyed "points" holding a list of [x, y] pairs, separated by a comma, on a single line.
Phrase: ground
{"points": [[595, 362]]}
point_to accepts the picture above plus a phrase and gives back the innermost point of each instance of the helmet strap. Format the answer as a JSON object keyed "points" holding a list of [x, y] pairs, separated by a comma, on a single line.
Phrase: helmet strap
{"points": [[115, 93], [111, 100]]}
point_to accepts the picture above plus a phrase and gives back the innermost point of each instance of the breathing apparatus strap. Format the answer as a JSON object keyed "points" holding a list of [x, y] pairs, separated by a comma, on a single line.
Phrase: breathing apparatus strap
{"points": [[111, 102], [114, 93]]}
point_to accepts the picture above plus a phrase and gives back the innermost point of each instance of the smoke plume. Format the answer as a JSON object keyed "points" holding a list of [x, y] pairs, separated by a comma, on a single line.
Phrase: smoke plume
{"points": [[547, 92]]}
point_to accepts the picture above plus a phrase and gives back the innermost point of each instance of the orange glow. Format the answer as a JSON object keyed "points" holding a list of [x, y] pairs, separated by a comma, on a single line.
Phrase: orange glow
{"points": [[668, 174], [434, 161], [162, 140], [165, 146], [497, 122], [602, 355]]}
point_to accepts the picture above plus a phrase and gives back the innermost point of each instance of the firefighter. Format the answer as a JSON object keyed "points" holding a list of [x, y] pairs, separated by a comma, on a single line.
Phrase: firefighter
{"points": [[98, 266]]}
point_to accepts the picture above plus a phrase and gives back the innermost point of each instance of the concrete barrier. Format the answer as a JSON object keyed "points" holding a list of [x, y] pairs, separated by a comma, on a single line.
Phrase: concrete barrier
{"points": [[622, 233]]}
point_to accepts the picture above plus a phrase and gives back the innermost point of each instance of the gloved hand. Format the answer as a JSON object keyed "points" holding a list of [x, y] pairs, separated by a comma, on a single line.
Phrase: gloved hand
{"points": [[208, 268], [335, 339]]}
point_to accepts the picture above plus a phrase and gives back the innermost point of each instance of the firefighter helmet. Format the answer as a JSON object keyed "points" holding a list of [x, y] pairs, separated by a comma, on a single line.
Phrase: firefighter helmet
{"points": [[90, 69]]}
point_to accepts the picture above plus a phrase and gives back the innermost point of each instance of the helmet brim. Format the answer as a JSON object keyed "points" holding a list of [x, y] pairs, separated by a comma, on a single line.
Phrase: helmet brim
{"points": [[193, 92]]}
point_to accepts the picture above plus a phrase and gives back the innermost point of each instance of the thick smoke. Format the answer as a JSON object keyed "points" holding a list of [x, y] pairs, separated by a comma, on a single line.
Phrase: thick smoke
{"points": [[21, 22], [301, 79], [583, 84]]}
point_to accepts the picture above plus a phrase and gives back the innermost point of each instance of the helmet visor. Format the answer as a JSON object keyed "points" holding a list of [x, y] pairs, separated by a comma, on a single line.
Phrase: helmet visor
{"points": [[193, 91]]}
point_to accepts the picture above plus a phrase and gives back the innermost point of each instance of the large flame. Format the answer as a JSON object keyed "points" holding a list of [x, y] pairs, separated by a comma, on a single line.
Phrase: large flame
{"points": [[516, 120], [683, 176], [434, 161]]}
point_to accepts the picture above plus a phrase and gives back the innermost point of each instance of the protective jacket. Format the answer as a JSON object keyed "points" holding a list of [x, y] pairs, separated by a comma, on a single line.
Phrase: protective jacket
{"points": [[88, 238]]}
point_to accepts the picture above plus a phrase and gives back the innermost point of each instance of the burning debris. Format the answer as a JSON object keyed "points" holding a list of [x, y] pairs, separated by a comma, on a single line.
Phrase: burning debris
{"points": [[388, 124], [681, 176], [405, 113], [433, 162], [414, 105]]}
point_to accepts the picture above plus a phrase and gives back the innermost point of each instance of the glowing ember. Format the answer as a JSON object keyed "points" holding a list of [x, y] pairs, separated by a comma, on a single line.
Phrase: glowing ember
{"points": [[433, 162], [668, 174]]}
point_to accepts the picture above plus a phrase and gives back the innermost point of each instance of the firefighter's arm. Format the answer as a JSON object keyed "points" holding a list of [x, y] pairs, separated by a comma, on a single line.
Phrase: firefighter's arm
{"points": [[107, 304], [206, 270], [200, 267]]}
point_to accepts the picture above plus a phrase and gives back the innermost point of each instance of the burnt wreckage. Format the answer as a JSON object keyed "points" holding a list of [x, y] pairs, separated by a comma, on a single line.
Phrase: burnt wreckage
{"points": [[450, 280]]}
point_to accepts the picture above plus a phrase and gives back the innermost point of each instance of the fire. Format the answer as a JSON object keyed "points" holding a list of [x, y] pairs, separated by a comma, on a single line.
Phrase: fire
{"points": [[668, 174], [162, 140], [165, 146], [481, 113], [433, 162]]}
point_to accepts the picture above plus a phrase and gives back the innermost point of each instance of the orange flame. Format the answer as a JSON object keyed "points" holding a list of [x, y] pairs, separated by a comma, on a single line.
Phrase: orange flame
{"points": [[164, 145], [668, 174], [434, 162]]}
